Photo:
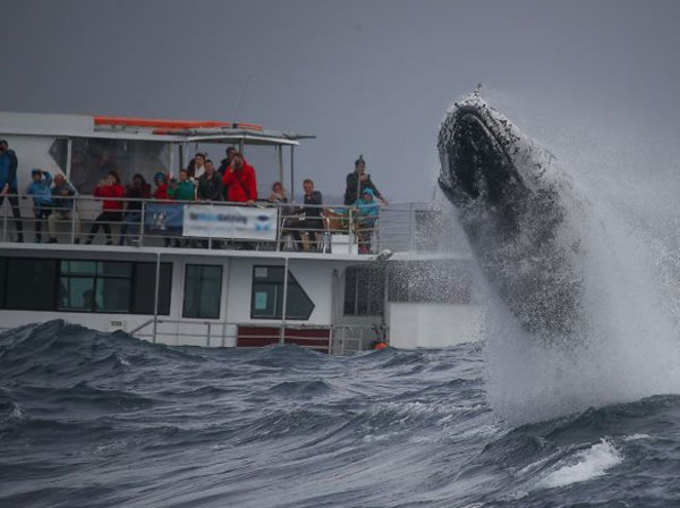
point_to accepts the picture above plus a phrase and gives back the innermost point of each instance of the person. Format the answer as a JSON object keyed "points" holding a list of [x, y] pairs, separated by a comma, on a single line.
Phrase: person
{"points": [[63, 208], [109, 187], [39, 188], [240, 181], [367, 214], [310, 215], [161, 191], [358, 180], [196, 166], [224, 163], [209, 184], [9, 185], [133, 216], [182, 190]]}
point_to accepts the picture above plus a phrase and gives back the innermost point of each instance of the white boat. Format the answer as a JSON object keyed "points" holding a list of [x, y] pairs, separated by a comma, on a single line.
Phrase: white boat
{"points": [[235, 277]]}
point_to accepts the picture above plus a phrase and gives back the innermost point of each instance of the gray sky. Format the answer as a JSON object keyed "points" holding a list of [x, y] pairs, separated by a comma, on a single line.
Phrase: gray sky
{"points": [[370, 77]]}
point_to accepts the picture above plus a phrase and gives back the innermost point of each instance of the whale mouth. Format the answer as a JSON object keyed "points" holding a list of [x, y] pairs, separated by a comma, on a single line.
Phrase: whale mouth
{"points": [[476, 165]]}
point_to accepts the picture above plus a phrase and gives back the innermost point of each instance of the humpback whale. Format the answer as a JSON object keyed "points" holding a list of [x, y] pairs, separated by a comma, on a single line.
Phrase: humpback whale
{"points": [[520, 213]]}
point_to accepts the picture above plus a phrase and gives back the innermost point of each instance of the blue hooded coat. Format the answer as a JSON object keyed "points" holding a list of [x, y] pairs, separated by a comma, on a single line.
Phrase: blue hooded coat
{"points": [[8, 170], [41, 192]]}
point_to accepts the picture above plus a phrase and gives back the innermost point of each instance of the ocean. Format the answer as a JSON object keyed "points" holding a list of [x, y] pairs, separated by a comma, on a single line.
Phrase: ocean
{"points": [[91, 419]]}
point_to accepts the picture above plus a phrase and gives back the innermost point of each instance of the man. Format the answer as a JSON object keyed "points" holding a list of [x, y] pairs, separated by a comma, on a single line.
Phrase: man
{"points": [[63, 209], [39, 188], [359, 180], [8, 185], [224, 164], [309, 219], [209, 184], [240, 181]]}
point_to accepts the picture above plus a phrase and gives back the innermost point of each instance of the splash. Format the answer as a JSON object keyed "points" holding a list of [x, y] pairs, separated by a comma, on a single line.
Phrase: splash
{"points": [[626, 345]]}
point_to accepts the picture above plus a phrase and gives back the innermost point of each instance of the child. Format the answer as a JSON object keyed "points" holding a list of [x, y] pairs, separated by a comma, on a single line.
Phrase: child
{"points": [[42, 198], [367, 214]]}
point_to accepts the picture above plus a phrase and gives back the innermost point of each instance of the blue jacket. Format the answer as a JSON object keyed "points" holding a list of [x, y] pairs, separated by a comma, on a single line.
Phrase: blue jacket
{"points": [[367, 208], [41, 192], [8, 170]]}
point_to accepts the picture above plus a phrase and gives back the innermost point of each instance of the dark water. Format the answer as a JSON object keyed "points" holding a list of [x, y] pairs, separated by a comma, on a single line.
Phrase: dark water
{"points": [[92, 419]]}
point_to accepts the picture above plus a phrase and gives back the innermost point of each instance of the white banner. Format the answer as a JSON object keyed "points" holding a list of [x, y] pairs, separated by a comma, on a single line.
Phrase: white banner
{"points": [[241, 222]]}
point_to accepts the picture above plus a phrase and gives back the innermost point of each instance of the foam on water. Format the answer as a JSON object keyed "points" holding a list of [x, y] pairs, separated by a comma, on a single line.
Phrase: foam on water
{"points": [[589, 464]]}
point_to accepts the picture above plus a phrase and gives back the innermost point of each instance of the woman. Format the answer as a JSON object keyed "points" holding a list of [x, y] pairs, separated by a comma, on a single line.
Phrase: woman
{"points": [[133, 216], [109, 187]]}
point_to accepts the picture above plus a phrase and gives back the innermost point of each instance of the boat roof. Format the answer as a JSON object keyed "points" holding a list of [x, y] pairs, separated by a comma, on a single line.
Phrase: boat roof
{"points": [[143, 129]]}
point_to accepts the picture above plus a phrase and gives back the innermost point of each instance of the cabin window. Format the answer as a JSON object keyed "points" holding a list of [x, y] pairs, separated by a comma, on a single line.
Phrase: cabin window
{"points": [[364, 291], [83, 286], [202, 291], [29, 284], [266, 300], [144, 292]]}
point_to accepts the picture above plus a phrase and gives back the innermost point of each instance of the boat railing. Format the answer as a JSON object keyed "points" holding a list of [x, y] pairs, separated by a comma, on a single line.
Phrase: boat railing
{"points": [[335, 339], [259, 225]]}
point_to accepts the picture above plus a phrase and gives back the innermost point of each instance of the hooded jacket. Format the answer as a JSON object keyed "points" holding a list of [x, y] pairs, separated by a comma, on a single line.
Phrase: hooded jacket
{"points": [[185, 191], [367, 209], [241, 185], [40, 190], [8, 170]]}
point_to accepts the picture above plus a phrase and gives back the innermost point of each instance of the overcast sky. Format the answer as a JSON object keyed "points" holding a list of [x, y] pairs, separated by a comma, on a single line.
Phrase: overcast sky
{"points": [[366, 77]]}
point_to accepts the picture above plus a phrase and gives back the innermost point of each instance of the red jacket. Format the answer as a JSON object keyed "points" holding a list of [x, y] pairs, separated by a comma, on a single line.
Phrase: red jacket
{"points": [[110, 191], [241, 185], [161, 192]]}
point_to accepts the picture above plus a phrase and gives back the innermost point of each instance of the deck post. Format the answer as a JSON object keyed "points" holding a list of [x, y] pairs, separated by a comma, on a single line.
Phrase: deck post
{"points": [[292, 173], [279, 149], [142, 218], [282, 336], [6, 206], [69, 156], [73, 220], [155, 297], [411, 228]]}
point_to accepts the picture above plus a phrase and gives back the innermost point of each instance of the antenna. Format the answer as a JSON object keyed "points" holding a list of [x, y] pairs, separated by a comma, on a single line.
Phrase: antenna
{"points": [[237, 104]]}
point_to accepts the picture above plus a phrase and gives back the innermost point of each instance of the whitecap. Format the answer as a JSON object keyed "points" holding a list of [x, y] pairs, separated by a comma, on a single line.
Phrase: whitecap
{"points": [[591, 463]]}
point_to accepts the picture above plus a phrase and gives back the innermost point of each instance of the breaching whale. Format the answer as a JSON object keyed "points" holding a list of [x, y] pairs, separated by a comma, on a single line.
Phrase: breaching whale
{"points": [[520, 213]]}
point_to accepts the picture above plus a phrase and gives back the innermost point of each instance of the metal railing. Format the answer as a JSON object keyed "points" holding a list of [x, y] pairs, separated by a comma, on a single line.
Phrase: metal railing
{"points": [[340, 340], [133, 222]]}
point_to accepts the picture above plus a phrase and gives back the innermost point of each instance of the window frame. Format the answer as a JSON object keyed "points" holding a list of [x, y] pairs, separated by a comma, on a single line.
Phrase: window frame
{"points": [[279, 317]]}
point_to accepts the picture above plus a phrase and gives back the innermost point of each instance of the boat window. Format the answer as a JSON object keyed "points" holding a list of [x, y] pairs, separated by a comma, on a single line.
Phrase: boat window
{"points": [[83, 286], [29, 284], [3, 276], [364, 291], [93, 158], [144, 292], [202, 291], [267, 295], [95, 286]]}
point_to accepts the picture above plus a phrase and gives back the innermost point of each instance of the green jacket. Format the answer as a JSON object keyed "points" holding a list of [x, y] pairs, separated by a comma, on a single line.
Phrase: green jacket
{"points": [[185, 191]]}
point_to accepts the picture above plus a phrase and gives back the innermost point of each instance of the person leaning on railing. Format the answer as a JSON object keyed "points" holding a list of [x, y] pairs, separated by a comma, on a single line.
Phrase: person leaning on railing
{"points": [[138, 190], [209, 186], [9, 184], [367, 215], [182, 189], [161, 182], [112, 209], [309, 218], [63, 208], [39, 188]]}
